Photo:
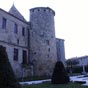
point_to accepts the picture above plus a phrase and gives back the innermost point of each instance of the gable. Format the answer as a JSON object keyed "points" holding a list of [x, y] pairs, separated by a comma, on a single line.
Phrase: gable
{"points": [[16, 13]]}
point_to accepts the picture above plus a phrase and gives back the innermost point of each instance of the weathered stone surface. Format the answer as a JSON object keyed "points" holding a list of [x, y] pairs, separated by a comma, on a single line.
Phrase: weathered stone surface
{"points": [[11, 40], [42, 40], [39, 40]]}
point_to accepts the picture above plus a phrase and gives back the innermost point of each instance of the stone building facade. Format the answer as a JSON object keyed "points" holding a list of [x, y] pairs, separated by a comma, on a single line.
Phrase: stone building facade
{"points": [[12, 37], [82, 61], [31, 46]]}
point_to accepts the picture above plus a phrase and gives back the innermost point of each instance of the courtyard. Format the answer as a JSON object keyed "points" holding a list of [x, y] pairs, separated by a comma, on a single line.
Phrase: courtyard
{"points": [[80, 81]]}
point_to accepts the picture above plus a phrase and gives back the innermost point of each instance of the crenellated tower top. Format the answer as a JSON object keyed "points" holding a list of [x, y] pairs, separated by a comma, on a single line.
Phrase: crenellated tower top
{"points": [[43, 9]]}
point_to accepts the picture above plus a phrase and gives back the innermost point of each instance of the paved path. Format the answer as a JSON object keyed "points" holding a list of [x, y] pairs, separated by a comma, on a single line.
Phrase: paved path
{"points": [[35, 82], [79, 78], [72, 78]]}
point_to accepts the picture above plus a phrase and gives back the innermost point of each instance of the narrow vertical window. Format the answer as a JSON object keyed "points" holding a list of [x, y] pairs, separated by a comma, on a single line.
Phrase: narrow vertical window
{"points": [[23, 31], [17, 41], [48, 55], [49, 49], [47, 41], [24, 57], [15, 54], [4, 23], [15, 28]]}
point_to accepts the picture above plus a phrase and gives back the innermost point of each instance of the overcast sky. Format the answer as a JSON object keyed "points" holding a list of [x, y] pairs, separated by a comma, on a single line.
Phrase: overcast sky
{"points": [[71, 21]]}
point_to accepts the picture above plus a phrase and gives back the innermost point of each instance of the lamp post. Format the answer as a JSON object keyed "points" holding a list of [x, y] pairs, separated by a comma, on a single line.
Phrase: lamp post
{"points": [[34, 65]]}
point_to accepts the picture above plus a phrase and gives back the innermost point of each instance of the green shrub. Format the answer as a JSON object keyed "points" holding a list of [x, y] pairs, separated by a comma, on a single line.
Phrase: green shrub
{"points": [[80, 82], [86, 68], [34, 78], [59, 74], [77, 69], [7, 77]]}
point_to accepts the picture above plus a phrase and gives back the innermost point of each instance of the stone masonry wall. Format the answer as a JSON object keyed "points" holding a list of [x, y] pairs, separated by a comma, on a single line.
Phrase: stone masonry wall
{"points": [[11, 40], [42, 40]]}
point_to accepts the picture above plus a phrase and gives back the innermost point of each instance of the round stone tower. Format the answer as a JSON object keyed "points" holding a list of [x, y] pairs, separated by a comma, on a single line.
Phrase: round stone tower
{"points": [[42, 40]]}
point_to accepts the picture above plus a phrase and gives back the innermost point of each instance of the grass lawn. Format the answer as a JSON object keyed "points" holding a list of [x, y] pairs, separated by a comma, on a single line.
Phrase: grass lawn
{"points": [[49, 85]]}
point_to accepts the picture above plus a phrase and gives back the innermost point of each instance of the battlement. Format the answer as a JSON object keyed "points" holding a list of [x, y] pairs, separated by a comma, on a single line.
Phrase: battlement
{"points": [[45, 9]]}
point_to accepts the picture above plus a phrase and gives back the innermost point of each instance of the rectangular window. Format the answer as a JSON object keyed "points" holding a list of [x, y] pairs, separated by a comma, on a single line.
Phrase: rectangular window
{"points": [[4, 23], [15, 28], [15, 54], [23, 31], [24, 57]]}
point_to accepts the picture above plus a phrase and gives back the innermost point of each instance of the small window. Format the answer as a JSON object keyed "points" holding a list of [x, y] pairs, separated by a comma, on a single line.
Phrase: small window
{"points": [[34, 53], [33, 10], [15, 28], [4, 23], [23, 31], [15, 54], [38, 9], [48, 55], [44, 9], [47, 41], [24, 57], [49, 49], [17, 41]]}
